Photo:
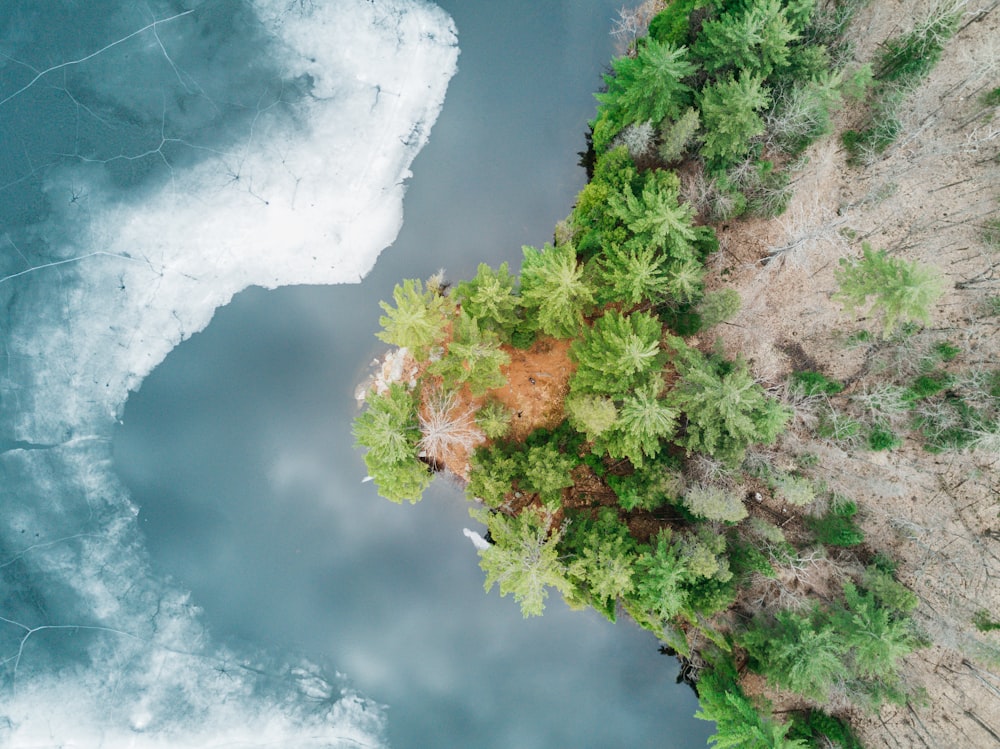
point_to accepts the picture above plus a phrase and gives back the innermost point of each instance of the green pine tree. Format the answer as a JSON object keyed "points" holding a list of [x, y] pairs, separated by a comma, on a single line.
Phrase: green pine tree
{"points": [[900, 292], [729, 110], [490, 299], [644, 420], [726, 410], [523, 560], [647, 87], [753, 37], [554, 291], [418, 320], [617, 354]]}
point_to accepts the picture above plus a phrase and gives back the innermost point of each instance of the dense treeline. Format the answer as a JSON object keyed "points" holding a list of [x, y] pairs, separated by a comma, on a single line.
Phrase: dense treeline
{"points": [[632, 497]]}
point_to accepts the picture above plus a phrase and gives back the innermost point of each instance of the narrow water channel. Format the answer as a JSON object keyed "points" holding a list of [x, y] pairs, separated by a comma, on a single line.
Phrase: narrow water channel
{"points": [[238, 448]]}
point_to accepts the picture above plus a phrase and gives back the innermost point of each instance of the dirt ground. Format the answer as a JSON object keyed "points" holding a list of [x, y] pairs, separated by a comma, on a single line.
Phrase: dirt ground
{"points": [[927, 199]]}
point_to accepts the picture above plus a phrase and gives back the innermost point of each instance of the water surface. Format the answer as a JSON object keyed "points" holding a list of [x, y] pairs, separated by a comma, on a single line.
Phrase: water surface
{"points": [[238, 447]]}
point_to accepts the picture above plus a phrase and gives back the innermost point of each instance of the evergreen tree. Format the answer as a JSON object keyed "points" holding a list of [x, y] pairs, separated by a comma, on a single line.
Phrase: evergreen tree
{"points": [[685, 280], [492, 471], [718, 306], [473, 356], [660, 573], [494, 419], [490, 299], [643, 421], [878, 638], [617, 354], [739, 724], [633, 274], [553, 290], [602, 552], [797, 655], [677, 136], [714, 503], [591, 414], [418, 320], [388, 427], [656, 216], [729, 110], [901, 292], [753, 37], [726, 410], [546, 472], [647, 87], [523, 559]]}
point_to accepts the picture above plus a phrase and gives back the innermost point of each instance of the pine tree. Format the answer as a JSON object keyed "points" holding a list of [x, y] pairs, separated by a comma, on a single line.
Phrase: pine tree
{"points": [[754, 37], [546, 472], [523, 559], [647, 87], [901, 292], [799, 653], [492, 471], [490, 299], [591, 414], [617, 354], [643, 421], [554, 291], [877, 638], [729, 110], [660, 573], [418, 320], [714, 503], [657, 216], [718, 306], [726, 410], [602, 553], [388, 427], [473, 356], [633, 274]]}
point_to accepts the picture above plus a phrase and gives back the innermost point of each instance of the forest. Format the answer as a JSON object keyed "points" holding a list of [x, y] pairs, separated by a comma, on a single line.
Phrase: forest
{"points": [[622, 437]]}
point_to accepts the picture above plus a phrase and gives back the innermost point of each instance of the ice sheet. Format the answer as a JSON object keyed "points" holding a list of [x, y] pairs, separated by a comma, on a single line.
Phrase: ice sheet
{"points": [[124, 226]]}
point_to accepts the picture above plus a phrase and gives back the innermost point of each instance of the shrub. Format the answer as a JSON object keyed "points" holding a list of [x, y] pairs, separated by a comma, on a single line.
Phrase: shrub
{"points": [[718, 306], [714, 503], [883, 438], [795, 490], [814, 383], [901, 292], [837, 527]]}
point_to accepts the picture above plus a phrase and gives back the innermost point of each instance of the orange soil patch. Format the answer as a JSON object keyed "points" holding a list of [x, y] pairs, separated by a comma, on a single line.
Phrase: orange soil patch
{"points": [[537, 384]]}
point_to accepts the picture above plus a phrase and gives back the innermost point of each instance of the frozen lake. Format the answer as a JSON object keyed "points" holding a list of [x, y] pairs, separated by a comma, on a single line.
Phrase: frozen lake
{"points": [[158, 159]]}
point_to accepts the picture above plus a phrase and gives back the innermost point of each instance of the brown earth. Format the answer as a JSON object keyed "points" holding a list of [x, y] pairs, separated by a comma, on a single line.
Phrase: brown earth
{"points": [[928, 199]]}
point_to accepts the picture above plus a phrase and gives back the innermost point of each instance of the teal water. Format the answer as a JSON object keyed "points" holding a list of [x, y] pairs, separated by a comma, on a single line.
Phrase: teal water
{"points": [[239, 452]]}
